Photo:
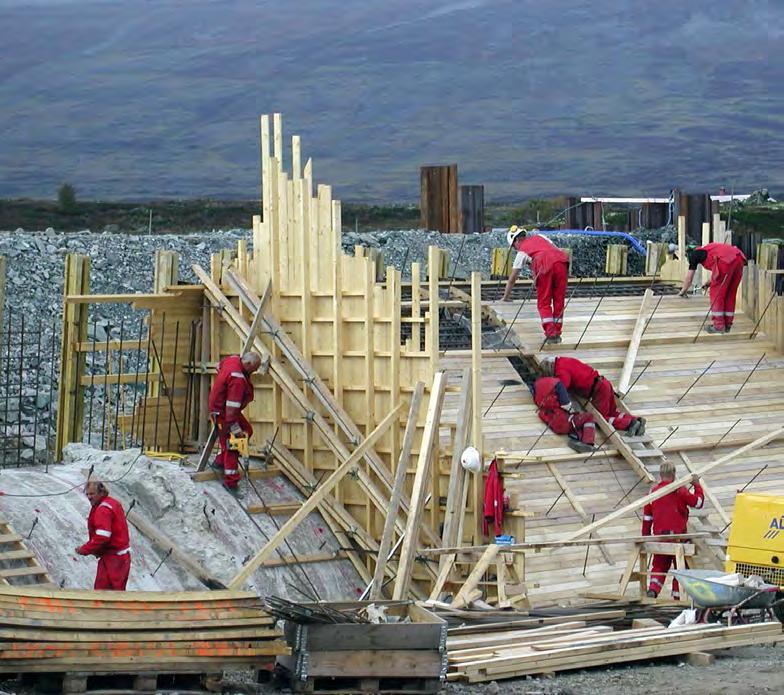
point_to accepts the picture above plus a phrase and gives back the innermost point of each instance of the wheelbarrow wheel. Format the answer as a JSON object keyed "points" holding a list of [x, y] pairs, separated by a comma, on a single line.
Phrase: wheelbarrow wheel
{"points": [[778, 607]]}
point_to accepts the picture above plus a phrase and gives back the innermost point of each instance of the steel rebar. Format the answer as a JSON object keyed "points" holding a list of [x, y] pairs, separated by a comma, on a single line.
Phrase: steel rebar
{"points": [[751, 373], [694, 383]]}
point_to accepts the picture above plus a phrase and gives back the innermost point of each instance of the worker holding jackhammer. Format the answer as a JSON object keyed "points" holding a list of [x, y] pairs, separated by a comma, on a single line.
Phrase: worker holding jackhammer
{"points": [[109, 540], [230, 393], [583, 380], [550, 274], [556, 409], [666, 516], [725, 262]]}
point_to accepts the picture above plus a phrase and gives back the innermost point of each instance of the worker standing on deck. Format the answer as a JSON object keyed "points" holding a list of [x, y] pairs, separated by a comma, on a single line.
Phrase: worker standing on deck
{"points": [[230, 393], [550, 274], [585, 381], [725, 262], [669, 515], [556, 409], [109, 541]]}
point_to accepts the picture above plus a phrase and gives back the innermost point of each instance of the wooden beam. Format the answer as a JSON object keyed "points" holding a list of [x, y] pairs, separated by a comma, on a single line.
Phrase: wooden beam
{"points": [[376, 591], [487, 559], [477, 479], [623, 447], [662, 491], [313, 501], [634, 343], [429, 435]]}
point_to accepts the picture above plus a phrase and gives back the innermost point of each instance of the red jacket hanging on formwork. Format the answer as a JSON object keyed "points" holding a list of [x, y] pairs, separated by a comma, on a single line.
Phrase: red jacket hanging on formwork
{"points": [[230, 393], [554, 405], [664, 516], [494, 500], [585, 381], [109, 542]]}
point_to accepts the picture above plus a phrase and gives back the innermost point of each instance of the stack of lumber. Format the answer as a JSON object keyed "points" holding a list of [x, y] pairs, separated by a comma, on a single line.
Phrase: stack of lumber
{"points": [[124, 632], [510, 653]]}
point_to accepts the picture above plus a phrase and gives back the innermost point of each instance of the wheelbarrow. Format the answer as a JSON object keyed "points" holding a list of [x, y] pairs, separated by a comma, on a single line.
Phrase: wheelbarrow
{"points": [[713, 599]]}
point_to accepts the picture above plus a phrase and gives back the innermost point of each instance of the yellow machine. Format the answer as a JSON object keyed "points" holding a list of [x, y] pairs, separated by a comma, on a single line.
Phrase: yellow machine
{"points": [[756, 544], [239, 444]]}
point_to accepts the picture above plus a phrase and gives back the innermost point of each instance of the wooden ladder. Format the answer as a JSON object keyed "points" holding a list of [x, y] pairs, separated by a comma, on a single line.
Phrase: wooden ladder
{"points": [[18, 563]]}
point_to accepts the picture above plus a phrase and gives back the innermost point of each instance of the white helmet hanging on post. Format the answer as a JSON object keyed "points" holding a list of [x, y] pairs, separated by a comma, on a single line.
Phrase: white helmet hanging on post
{"points": [[513, 233], [471, 460]]}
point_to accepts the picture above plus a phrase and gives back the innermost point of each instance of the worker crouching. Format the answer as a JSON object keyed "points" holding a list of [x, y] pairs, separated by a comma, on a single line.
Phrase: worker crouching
{"points": [[109, 540], [585, 381], [229, 395], [555, 409], [666, 516], [550, 273]]}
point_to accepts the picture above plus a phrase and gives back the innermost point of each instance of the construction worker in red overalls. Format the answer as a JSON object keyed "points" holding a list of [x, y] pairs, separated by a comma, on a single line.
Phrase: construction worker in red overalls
{"points": [[230, 393], [585, 381], [556, 409], [665, 516], [550, 273], [109, 540], [726, 265]]}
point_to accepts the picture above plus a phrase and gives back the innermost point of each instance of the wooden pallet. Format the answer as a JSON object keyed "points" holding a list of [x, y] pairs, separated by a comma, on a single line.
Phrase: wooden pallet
{"points": [[18, 564], [105, 683], [325, 685]]}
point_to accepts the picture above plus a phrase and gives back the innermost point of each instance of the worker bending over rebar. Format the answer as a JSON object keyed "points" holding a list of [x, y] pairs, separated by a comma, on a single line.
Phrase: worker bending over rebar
{"points": [[725, 262], [583, 380], [550, 274], [230, 393], [666, 516], [109, 540]]}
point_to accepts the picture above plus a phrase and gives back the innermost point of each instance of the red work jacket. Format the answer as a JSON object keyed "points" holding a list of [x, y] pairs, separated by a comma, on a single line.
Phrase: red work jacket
{"points": [[494, 500], [575, 375], [542, 252], [545, 395], [670, 514], [232, 390], [720, 255], [107, 528]]}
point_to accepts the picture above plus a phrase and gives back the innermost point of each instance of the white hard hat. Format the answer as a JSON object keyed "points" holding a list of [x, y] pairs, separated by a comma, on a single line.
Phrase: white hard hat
{"points": [[471, 460], [513, 233], [548, 365]]}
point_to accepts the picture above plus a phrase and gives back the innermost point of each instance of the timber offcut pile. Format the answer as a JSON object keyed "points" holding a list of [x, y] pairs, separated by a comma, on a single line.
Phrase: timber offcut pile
{"points": [[494, 654], [43, 631]]}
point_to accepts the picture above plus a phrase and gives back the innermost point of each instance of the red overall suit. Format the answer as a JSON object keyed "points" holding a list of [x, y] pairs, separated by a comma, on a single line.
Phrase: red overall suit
{"points": [[558, 419], [585, 381], [726, 265], [109, 543], [550, 271], [230, 393], [666, 515]]}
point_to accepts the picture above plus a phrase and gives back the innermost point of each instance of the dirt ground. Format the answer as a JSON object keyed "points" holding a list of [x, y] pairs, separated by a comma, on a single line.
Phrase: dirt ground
{"points": [[740, 671]]}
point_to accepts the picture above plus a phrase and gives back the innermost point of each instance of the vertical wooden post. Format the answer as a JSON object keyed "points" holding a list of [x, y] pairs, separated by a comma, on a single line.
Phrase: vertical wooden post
{"points": [[439, 203], [70, 397], [166, 271], [472, 209], [393, 287], [416, 299], [433, 312], [476, 397]]}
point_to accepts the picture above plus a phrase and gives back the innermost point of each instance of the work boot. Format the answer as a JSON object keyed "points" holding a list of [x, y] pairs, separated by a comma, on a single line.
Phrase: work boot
{"points": [[577, 445], [233, 489], [631, 430], [713, 330], [551, 340], [216, 466], [640, 426], [651, 593], [557, 339], [727, 329]]}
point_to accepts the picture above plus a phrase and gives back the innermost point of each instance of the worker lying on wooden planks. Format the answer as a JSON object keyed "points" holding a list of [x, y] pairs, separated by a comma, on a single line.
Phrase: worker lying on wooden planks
{"points": [[109, 540], [230, 393], [556, 409], [585, 381], [726, 265], [668, 515], [550, 272]]}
